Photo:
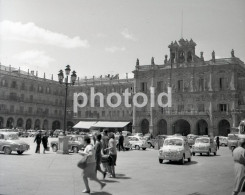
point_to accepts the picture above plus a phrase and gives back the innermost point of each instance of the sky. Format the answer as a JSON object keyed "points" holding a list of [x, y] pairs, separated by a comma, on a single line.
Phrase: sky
{"points": [[101, 37]]}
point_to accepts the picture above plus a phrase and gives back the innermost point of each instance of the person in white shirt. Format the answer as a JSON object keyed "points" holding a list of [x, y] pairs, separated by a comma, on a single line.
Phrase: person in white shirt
{"points": [[90, 170]]}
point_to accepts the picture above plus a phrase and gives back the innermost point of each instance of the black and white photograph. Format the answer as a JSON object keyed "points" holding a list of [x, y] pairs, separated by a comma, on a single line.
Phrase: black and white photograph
{"points": [[122, 97]]}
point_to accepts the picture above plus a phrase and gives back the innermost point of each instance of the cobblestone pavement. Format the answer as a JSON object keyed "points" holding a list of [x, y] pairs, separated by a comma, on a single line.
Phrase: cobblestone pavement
{"points": [[138, 173]]}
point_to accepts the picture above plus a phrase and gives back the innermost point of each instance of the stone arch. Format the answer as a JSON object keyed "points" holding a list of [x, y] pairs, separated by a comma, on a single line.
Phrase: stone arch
{"points": [[189, 56], [20, 123], [45, 124], [144, 126], [69, 125], [10, 123], [37, 124], [1, 122], [202, 127], [162, 127], [224, 127], [28, 124], [182, 127], [56, 125]]}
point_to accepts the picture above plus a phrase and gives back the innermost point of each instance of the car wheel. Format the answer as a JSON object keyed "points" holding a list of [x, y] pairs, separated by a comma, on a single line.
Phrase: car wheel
{"points": [[75, 149], [193, 153], [182, 160], [54, 148], [214, 153], [137, 147], [208, 153], [160, 161], [127, 149], [189, 159], [143, 148], [7, 150], [201, 154], [20, 152]]}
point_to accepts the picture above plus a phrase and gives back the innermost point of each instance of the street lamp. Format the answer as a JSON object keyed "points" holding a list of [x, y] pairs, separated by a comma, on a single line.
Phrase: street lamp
{"points": [[63, 142]]}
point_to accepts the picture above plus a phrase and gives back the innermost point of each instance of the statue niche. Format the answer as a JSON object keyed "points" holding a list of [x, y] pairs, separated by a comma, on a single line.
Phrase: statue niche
{"points": [[189, 56], [181, 57]]}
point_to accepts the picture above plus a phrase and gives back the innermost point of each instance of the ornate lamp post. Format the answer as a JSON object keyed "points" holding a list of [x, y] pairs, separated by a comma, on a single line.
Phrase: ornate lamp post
{"points": [[63, 142]]}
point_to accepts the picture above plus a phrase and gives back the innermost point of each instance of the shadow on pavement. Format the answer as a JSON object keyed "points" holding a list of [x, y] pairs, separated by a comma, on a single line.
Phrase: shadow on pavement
{"points": [[100, 193], [15, 154], [178, 163], [121, 176]]}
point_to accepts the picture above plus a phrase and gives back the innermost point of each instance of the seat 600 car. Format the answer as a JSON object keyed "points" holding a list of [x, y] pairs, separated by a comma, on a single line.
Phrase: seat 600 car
{"points": [[9, 142], [204, 145], [175, 149], [75, 143], [138, 142]]}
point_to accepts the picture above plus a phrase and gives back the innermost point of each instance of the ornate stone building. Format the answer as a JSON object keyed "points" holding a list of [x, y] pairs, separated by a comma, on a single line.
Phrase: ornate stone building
{"points": [[101, 111], [208, 97], [29, 102]]}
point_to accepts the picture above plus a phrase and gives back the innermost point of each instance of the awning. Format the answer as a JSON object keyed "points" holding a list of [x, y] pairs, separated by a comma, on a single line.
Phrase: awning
{"points": [[84, 124], [110, 124]]}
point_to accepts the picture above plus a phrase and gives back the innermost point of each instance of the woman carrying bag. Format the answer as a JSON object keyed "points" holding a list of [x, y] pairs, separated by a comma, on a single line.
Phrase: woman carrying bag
{"points": [[89, 168]]}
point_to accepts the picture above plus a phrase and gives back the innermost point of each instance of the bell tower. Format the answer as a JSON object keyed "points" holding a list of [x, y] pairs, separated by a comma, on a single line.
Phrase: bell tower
{"points": [[183, 51]]}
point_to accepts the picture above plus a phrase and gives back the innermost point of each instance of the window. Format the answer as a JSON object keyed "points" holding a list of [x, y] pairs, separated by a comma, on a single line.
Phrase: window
{"points": [[159, 86], [30, 110], [12, 108], [201, 84], [223, 107], [14, 84], [180, 85], [31, 98], [103, 113], [144, 87], [31, 88], [22, 97], [180, 108], [221, 83], [200, 107], [22, 86]]}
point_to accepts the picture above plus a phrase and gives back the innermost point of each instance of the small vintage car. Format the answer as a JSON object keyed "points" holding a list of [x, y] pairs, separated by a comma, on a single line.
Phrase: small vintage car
{"points": [[75, 143], [138, 142], [191, 139], [232, 141], [204, 145], [9, 141], [175, 148]]}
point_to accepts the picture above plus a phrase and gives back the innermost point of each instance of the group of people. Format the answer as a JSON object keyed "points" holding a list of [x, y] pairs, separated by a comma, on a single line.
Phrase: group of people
{"points": [[39, 138], [103, 151]]}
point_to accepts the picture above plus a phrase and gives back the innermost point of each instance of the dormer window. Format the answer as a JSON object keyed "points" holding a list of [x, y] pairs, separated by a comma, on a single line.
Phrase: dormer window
{"points": [[189, 57]]}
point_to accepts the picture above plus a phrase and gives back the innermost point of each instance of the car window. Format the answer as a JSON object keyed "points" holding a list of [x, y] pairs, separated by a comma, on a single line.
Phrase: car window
{"points": [[204, 140], [12, 136], [174, 142], [1, 136]]}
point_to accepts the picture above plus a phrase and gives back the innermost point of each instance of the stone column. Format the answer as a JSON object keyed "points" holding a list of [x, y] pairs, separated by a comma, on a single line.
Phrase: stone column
{"points": [[211, 128], [152, 106], [210, 82], [134, 108], [232, 82]]}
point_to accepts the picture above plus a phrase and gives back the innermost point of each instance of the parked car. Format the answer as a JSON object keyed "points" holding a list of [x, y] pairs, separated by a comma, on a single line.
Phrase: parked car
{"points": [[138, 142], [75, 143], [9, 141], [57, 132], [204, 144], [32, 133], [126, 143], [223, 141], [157, 141], [24, 134], [232, 141], [175, 148], [191, 139]]}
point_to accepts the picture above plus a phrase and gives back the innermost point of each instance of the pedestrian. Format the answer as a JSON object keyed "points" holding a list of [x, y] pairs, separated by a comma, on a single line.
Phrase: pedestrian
{"points": [[112, 154], [120, 142], [98, 155], [90, 170], [105, 156], [239, 165], [217, 142], [38, 140], [45, 142]]}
